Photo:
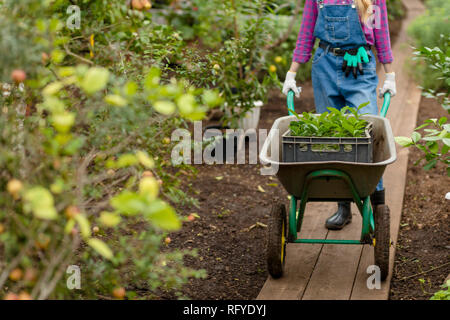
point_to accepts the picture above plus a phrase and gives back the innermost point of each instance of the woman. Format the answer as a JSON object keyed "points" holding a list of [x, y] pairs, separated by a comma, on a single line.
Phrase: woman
{"points": [[344, 68]]}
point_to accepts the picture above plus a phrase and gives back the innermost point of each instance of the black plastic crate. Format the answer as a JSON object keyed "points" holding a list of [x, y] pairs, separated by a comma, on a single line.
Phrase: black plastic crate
{"points": [[312, 149]]}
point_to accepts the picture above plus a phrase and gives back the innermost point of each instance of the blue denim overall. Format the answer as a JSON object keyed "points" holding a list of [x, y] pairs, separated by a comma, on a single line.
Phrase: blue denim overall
{"points": [[339, 26]]}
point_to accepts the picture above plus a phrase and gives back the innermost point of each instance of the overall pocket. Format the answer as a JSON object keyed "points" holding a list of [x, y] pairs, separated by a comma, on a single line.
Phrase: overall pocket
{"points": [[338, 28], [318, 55]]}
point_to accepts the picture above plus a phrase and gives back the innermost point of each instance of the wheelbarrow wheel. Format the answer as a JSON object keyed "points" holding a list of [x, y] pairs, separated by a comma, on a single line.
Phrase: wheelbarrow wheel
{"points": [[276, 244], [382, 240]]}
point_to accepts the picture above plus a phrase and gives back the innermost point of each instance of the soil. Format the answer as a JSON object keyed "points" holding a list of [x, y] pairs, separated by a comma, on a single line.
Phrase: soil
{"points": [[234, 206], [424, 237]]}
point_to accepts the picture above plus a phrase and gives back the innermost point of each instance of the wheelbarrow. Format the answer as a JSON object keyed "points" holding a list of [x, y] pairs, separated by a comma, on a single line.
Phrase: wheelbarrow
{"points": [[329, 181]]}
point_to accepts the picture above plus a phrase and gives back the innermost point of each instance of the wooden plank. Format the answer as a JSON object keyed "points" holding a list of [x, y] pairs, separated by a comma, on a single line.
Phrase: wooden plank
{"points": [[300, 259], [335, 270], [403, 117], [395, 183]]}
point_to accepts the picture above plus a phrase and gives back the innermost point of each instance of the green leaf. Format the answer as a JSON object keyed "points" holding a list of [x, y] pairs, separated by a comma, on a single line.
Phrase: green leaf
{"points": [[404, 141], [433, 147], [130, 88], [128, 203], [84, 224], [363, 105], [416, 137], [165, 107], [145, 160], [53, 104], [149, 187], [442, 121], [52, 89], [432, 138], [430, 165], [116, 100], [63, 122], [211, 98], [126, 160], [422, 126], [152, 79], [109, 219], [95, 80], [69, 226], [186, 104], [446, 141], [39, 201], [162, 215], [101, 248]]}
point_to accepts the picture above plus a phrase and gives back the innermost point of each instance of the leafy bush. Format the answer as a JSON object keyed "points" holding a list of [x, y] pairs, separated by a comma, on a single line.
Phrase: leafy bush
{"points": [[395, 9], [438, 61], [83, 151], [434, 143], [431, 30], [443, 294]]}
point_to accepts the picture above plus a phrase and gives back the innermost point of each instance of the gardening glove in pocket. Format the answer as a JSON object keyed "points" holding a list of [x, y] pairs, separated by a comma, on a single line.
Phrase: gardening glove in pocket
{"points": [[291, 84], [389, 85]]}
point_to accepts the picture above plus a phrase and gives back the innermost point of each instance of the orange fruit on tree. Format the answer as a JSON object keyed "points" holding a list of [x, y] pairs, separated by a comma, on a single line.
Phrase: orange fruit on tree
{"points": [[16, 274], [44, 57], [71, 211], [146, 4], [42, 241], [30, 275], [14, 186], [18, 76], [136, 5], [119, 292]]}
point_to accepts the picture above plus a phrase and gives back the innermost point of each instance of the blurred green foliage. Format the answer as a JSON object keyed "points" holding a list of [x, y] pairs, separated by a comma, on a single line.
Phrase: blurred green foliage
{"points": [[431, 30]]}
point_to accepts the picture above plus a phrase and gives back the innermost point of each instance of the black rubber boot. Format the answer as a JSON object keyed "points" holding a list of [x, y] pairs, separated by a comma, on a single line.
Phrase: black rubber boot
{"points": [[341, 218], [377, 198]]}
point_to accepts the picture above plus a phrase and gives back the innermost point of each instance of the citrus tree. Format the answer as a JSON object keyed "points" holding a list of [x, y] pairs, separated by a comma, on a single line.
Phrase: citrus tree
{"points": [[83, 151]]}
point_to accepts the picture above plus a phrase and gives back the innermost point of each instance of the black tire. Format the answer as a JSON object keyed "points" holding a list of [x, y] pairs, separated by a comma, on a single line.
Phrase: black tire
{"points": [[276, 249], [382, 241]]}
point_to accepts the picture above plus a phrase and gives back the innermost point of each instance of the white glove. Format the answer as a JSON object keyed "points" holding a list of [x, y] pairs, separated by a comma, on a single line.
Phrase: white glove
{"points": [[389, 85], [290, 84]]}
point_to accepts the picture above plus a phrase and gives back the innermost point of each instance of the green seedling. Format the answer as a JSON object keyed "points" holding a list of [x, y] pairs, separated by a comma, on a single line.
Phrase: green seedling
{"points": [[346, 122]]}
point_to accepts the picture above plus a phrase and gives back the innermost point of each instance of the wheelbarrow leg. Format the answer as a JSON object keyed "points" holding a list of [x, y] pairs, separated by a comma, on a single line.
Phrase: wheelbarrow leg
{"points": [[292, 235]]}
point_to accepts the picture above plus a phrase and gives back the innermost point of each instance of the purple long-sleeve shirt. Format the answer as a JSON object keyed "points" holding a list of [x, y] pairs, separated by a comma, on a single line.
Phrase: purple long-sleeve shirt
{"points": [[374, 36]]}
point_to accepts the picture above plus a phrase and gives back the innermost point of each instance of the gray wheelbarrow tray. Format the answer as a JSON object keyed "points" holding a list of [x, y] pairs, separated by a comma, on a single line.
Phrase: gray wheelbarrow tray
{"points": [[365, 176]]}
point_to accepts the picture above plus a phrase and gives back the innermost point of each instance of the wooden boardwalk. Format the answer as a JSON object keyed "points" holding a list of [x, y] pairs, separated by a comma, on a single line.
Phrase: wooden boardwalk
{"points": [[338, 272]]}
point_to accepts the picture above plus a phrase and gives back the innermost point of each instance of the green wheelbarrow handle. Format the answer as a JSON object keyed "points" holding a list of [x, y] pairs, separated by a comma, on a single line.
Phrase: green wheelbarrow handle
{"points": [[383, 112]]}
